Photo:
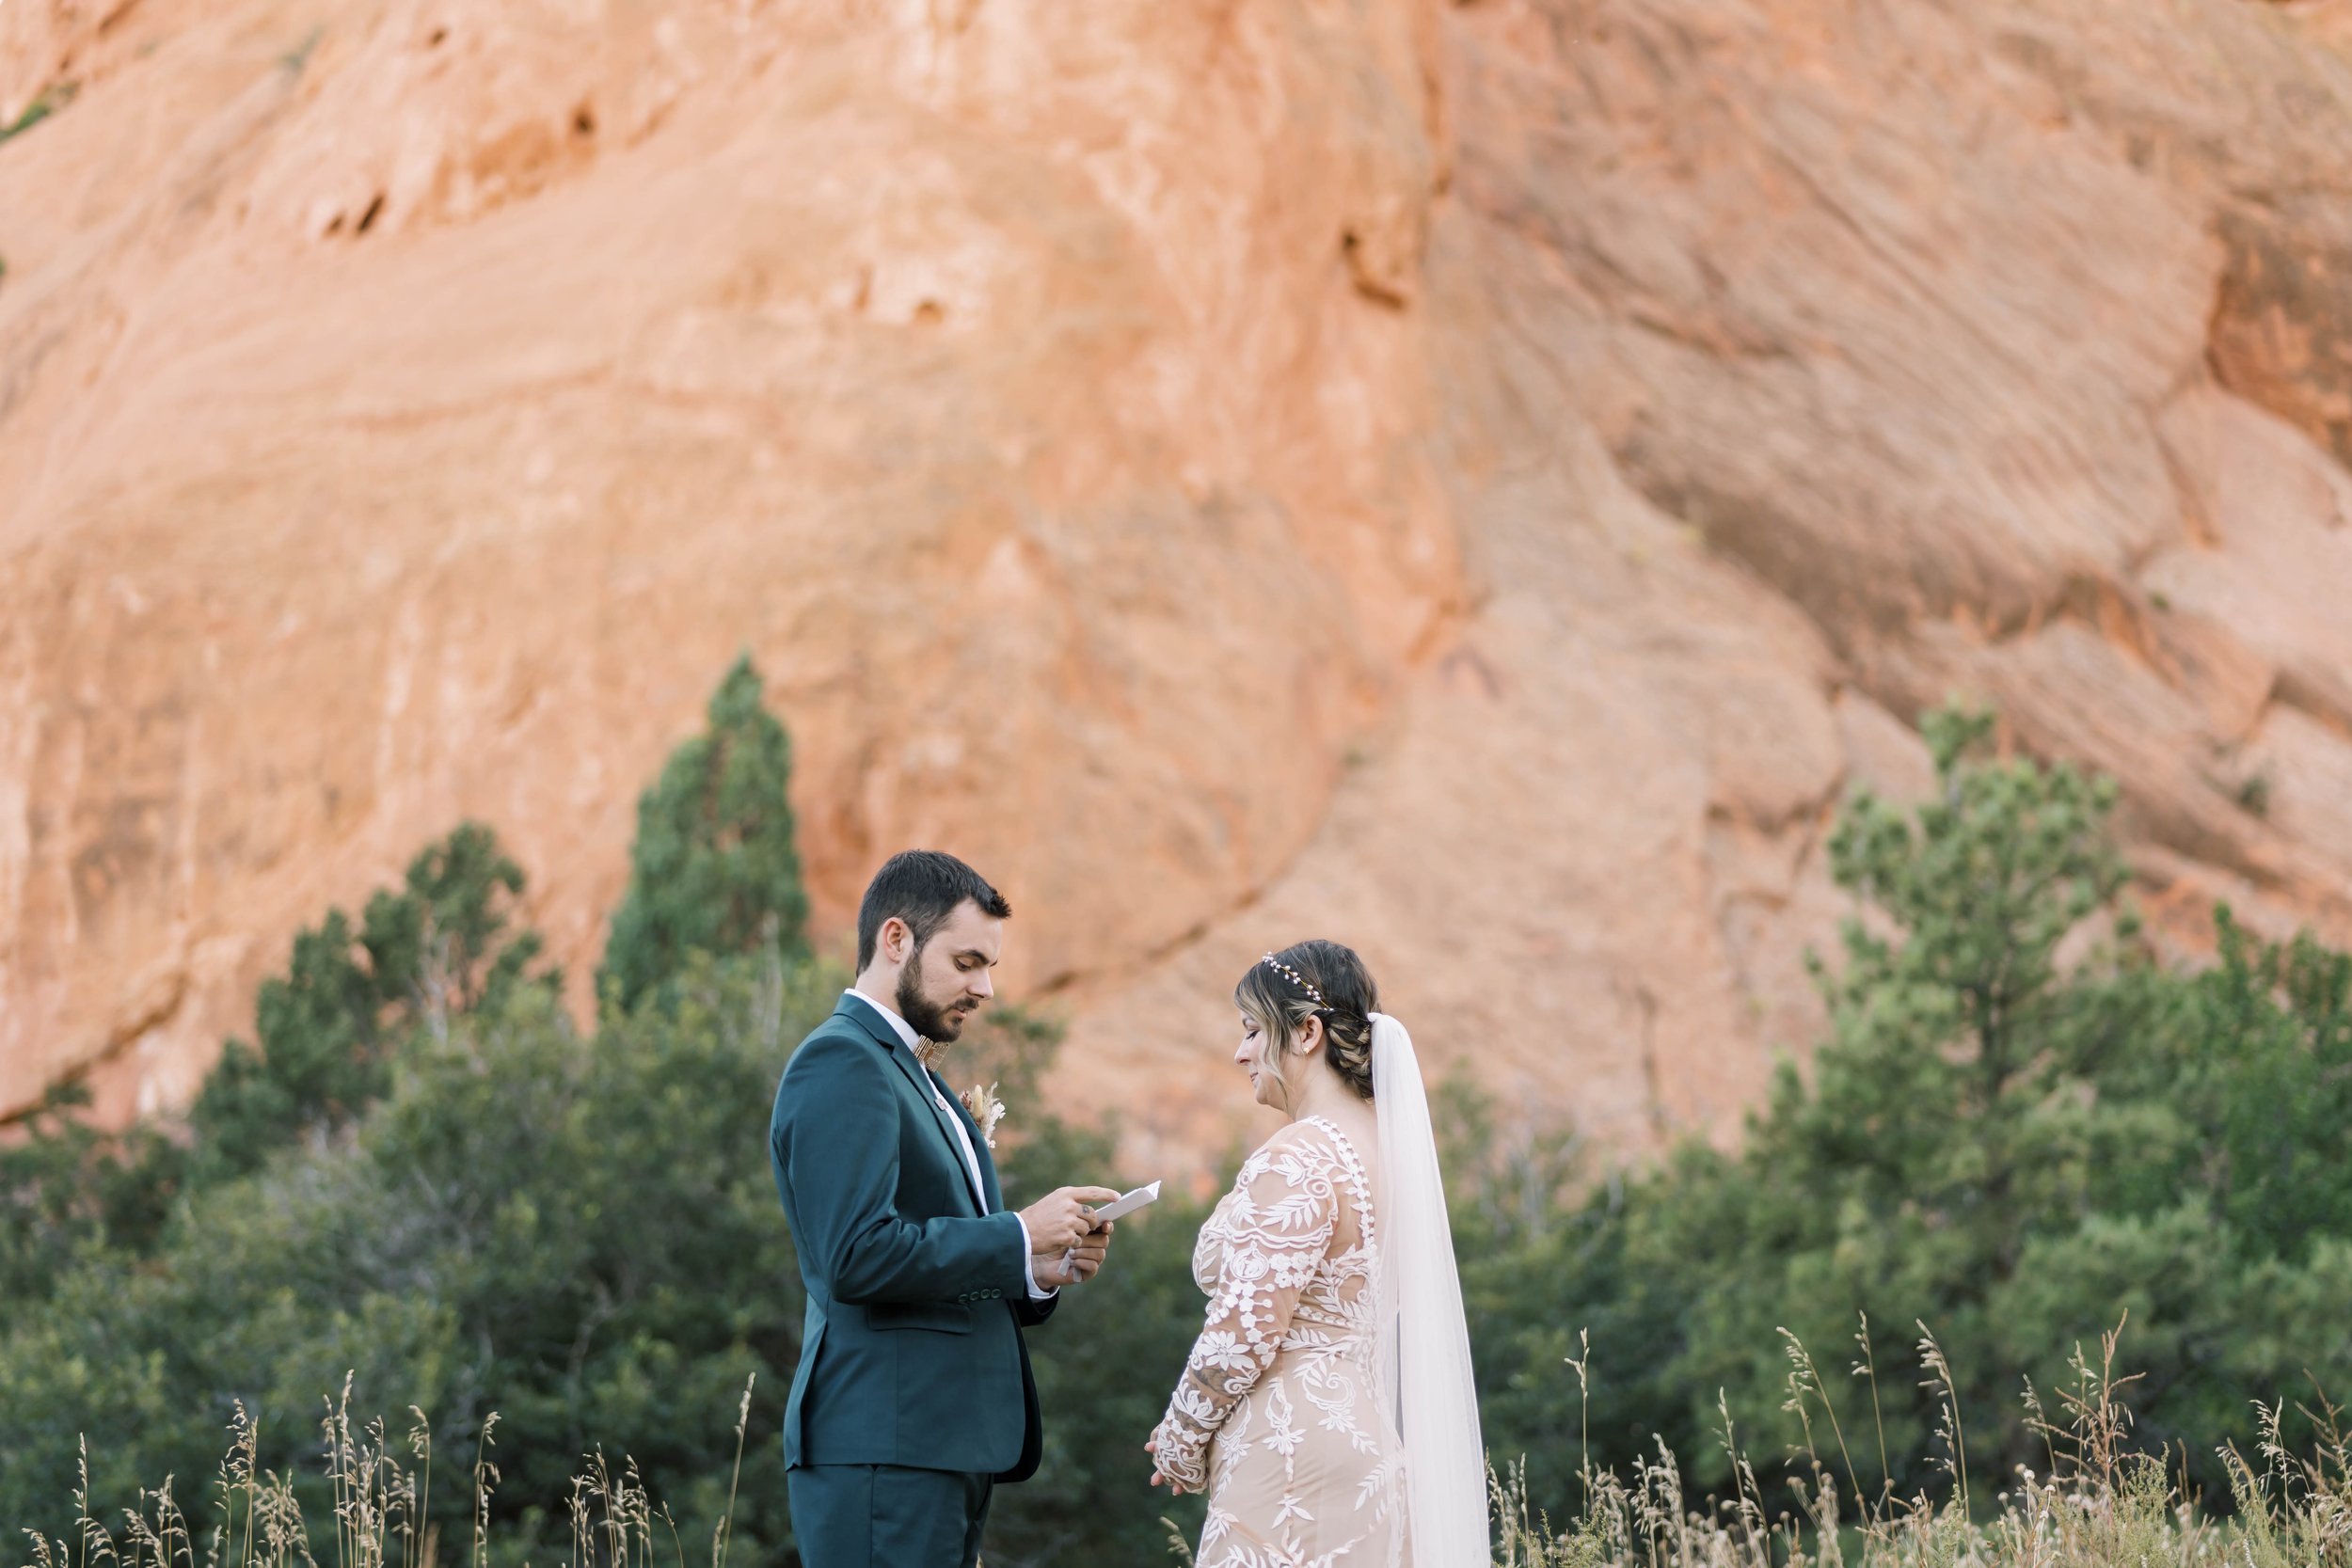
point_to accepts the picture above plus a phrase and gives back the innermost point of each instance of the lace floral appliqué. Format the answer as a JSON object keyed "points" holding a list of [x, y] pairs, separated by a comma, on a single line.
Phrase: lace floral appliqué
{"points": [[1276, 1415]]}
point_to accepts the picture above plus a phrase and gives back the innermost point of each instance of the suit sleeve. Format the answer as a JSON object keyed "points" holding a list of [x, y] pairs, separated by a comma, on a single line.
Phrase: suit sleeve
{"points": [[835, 1141]]}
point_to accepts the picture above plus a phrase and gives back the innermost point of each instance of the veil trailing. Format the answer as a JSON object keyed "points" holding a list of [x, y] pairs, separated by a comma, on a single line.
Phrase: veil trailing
{"points": [[1423, 1346]]}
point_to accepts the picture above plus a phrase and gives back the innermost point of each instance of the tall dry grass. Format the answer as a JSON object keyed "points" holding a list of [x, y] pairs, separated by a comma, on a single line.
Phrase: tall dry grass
{"points": [[379, 1510], [2098, 1502]]}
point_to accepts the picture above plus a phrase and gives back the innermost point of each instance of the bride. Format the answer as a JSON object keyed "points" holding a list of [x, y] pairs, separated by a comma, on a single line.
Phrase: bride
{"points": [[1327, 1407]]}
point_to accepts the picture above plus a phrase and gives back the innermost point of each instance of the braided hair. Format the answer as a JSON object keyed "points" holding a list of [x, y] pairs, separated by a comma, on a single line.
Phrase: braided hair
{"points": [[1315, 979]]}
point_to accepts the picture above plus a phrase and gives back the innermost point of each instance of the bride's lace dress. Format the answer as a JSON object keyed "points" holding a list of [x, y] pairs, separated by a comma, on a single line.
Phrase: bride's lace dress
{"points": [[1276, 1415]]}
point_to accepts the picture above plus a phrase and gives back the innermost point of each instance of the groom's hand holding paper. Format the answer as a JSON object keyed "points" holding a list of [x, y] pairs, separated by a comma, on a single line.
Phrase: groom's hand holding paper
{"points": [[1062, 1219], [1066, 1243], [1080, 1263]]}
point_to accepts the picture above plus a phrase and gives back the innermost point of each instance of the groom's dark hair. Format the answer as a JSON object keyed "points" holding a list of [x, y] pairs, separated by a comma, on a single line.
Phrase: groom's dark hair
{"points": [[922, 887]]}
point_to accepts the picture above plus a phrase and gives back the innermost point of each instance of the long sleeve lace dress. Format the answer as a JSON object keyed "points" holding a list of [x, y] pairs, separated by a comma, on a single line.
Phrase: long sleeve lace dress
{"points": [[1277, 1415]]}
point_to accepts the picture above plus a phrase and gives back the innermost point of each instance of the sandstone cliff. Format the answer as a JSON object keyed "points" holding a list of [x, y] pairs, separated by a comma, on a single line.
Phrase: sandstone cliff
{"points": [[1481, 481]]}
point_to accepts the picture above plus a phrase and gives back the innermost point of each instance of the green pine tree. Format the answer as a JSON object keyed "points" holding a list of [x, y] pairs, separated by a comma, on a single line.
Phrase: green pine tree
{"points": [[328, 1029], [326, 1033], [2019, 1127], [713, 869]]}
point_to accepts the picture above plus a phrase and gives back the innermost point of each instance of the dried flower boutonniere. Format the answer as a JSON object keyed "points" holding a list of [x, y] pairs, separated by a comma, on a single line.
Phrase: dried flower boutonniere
{"points": [[987, 1111]]}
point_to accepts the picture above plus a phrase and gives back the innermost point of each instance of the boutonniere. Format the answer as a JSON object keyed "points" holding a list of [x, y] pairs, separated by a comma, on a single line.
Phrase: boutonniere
{"points": [[987, 1111]]}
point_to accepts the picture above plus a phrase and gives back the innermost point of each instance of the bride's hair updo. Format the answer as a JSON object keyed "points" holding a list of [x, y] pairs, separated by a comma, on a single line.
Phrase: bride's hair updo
{"points": [[1282, 991]]}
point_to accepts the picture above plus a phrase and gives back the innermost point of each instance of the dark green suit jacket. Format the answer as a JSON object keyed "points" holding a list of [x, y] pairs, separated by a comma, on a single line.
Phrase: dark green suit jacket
{"points": [[912, 1353]]}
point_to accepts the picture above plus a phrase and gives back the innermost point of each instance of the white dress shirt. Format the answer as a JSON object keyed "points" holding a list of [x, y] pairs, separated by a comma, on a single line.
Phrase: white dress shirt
{"points": [[905, 1032]]}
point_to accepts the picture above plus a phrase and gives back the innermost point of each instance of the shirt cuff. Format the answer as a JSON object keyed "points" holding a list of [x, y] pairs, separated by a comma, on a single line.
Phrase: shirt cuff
{"points": [[1029, 1262]]}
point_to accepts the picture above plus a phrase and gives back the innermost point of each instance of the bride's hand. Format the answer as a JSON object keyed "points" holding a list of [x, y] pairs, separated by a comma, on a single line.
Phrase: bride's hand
{"points": [[1152, 1446]]}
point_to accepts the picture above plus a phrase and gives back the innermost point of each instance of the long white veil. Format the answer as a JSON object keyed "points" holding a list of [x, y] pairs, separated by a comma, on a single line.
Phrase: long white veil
{"points": [[1425, 1342]]}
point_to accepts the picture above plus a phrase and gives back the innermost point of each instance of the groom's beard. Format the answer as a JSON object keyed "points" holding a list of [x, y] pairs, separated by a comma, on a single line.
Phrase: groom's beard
{"points": [[935, 1023]]}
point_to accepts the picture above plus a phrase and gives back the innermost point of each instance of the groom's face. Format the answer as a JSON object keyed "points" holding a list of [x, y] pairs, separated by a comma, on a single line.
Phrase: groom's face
{"points": [[945, 982]]}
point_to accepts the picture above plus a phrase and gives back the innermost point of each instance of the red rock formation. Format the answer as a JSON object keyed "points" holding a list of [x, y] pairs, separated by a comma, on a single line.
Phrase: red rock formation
{"points": [[1480, 481]]}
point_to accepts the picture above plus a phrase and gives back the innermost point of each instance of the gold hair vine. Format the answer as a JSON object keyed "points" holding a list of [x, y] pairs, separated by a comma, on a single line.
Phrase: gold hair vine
{"points": [[1296, 978]]}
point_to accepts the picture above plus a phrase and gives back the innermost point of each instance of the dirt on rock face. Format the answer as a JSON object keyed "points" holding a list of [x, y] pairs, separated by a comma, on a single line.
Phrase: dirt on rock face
{"points": [[1480, 481]]}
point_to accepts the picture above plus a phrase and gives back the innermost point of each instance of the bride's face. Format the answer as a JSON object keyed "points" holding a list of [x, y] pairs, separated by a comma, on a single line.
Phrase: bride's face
{"points": [[1265, 1083], [1255, 1055]]}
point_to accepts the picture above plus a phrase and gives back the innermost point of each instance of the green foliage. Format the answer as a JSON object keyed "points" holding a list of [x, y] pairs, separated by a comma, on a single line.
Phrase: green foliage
{"points": [[45, 103], [2253, 793], [295, 59], [66, 1188], [328, 1030], [581, 1234], [2019, 1130], [2267, 1116], [578, 1234], [714, 868]]}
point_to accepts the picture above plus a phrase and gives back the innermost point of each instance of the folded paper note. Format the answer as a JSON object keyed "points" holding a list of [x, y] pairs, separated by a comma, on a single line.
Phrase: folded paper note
{"points": [[1120, 1207]]}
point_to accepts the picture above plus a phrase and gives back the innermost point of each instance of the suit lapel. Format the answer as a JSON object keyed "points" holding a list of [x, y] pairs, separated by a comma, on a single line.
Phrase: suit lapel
{"points": [[932, 1095], [979, 1148], [883, 1036]]}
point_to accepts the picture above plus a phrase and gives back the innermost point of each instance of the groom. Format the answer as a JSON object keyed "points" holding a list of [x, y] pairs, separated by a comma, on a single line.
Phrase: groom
{"points": [[913, 1395]]}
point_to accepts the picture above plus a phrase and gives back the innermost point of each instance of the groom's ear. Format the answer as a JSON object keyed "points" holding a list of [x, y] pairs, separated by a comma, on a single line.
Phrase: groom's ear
{"points": [[896, 941]]}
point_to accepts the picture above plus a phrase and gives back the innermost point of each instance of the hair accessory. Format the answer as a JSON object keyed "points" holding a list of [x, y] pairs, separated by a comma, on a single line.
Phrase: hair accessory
{"points": [[1296, 978]]}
